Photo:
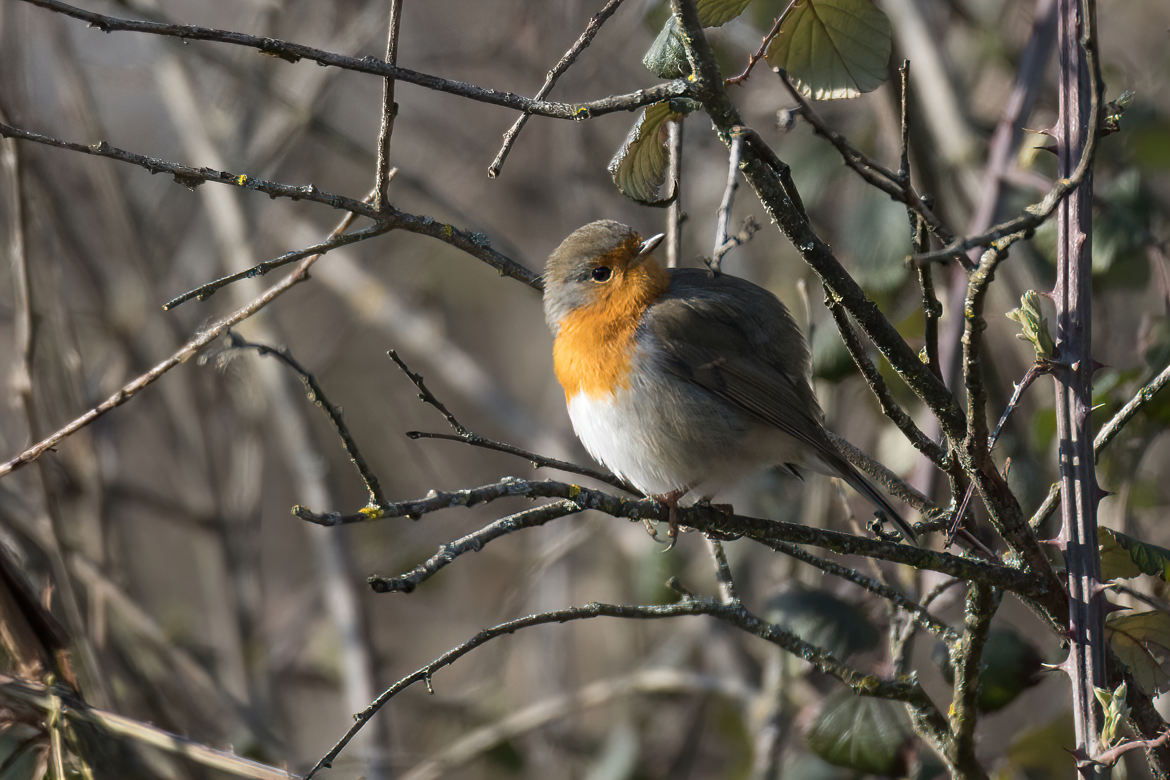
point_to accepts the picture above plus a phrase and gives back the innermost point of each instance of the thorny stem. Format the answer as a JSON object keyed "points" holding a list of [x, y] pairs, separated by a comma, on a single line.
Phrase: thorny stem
{"points": [[1108, 432]]}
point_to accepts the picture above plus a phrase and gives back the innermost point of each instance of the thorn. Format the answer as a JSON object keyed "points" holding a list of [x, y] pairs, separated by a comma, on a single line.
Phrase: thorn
{"points": [[1103, 493], [1098, 365], [1046, 148], [1048, 131], [1052, 667]]}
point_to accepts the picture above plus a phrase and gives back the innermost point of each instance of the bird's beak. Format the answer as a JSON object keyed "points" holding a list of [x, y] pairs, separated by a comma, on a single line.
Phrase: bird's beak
{"points": [[649, 245]]}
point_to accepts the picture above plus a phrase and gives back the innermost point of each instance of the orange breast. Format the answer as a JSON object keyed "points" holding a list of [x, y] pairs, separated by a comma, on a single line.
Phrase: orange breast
{"points": [[594, 347]]}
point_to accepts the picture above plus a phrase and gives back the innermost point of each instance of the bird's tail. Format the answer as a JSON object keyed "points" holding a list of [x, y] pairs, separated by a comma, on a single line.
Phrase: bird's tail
{"points": [[846, 471]]}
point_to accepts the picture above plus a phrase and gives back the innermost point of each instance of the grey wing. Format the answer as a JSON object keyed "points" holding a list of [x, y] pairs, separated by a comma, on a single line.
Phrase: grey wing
{"points": [[737, 341]]}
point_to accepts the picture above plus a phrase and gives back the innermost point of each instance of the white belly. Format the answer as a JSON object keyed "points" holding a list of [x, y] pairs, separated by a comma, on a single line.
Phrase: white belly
{"points": [[642, 438]]}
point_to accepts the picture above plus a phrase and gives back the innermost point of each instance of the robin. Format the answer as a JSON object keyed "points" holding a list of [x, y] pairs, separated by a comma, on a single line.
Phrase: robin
{"points": [[679, 380]]}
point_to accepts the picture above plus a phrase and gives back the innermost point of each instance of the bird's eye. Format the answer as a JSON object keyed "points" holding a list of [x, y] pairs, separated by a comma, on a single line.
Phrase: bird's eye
{"points": [[602, 273]]}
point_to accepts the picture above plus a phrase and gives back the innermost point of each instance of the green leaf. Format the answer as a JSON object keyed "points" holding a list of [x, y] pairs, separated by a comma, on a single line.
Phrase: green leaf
{"points": [[1142, 642], [640, 165], [862, 733], [833, 49], [1033, 325], [666, 57], [820, 618], [1123, 556], [713, 13], [1116, 713]]}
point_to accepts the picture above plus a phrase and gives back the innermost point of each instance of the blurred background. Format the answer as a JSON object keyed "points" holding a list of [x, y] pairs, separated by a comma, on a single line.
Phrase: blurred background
{"points": [[207, 609]]}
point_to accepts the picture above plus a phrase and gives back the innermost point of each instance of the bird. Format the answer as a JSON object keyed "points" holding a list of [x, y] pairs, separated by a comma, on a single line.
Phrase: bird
{"points": [[680, 380]]}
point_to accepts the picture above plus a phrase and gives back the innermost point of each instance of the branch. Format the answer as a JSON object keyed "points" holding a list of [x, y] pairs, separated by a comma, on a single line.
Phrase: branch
{"points": [[475, 440], [293, 52], [1036, 370], [472, 542], [878, 386], [966, 657], [760, 52], [475, 244], [201, 339], [317, 396], [567, 59], [1107, 434], [896, 185], [771, 533], [736, 615], [724, 244], [383, 174]]}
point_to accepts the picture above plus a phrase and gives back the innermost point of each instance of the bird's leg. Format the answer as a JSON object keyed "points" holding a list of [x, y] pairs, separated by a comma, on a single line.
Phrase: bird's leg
{"points": [[670, 501]]}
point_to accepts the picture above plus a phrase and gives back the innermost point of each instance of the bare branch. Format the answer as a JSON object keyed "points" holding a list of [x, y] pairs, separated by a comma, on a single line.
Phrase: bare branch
{"points": [[389, 109], [567, 59], [475, 440], [201, 339], [317, 396], [734, 614], [775, 534], [294, 52]]}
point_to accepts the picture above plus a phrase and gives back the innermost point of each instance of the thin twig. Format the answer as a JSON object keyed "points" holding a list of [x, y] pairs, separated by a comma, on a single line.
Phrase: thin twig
{"points": [[723, 578], [706, 519], [551, 78], [317, 396], [293, 52], [389, 108], [467, 436], [1113, 755], [536, 459], [205, 291], [201, 339], [901, 641], [1108, 432], [904, 124], [723, 244], [917, 612], [674, 210], [873, 378], [475, 244], [472, 542], [734, 614], [1036, 370], [893, 184], [759, 53]]}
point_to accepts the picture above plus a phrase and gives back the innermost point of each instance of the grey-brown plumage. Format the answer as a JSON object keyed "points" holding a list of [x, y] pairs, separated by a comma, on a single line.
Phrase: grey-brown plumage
{"points": [[714, 372]]}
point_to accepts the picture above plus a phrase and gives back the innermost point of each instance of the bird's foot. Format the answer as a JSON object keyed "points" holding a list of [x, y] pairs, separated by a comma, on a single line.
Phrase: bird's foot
{"points": [[670, 501]]}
